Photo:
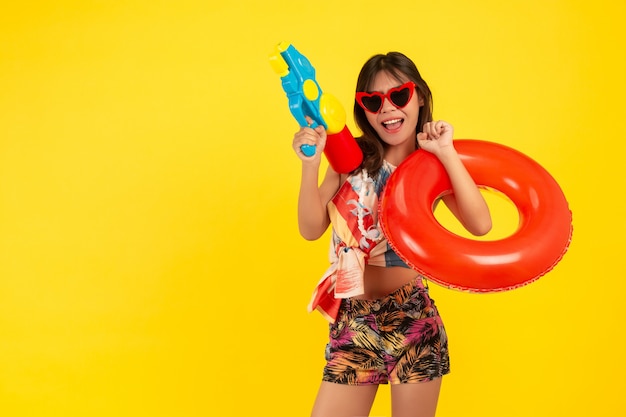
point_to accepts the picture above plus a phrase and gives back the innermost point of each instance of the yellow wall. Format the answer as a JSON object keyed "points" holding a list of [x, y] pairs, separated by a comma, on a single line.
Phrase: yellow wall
{"points": [[150, 262]]}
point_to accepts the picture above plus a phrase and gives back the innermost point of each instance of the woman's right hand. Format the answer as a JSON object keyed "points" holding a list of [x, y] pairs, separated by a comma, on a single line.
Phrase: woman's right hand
{"points": [[310, 136]]}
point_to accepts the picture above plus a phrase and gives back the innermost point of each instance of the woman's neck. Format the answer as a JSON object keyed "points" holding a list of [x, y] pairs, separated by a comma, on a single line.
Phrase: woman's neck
{"points": [[398, 153]]}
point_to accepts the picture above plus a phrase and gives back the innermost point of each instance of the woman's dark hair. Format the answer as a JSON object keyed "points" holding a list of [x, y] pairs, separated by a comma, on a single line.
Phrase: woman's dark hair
{"points": [[403, 69]]}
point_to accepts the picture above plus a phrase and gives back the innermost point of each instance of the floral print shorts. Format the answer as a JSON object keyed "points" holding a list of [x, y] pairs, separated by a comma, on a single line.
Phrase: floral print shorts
{"points": [[398, 339]]}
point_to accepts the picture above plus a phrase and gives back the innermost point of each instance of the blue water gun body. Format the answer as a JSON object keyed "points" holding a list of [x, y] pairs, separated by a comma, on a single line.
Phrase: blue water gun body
{"points": [[304, 93], [306, 99]]}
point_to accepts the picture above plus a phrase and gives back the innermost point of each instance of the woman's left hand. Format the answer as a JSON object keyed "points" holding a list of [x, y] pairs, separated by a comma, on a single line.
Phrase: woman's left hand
{"points": [[436, 137]]}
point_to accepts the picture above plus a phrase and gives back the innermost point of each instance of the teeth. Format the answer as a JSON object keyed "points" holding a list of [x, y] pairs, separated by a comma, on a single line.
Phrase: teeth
{"points": [[388, 122]]}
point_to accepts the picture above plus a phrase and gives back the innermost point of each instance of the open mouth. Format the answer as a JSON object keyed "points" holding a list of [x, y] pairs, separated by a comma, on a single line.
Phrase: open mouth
{"points": [[393, 124]]}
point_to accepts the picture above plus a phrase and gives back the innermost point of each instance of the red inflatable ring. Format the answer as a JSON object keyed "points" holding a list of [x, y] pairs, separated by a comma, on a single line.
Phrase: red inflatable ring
{"points": [[538, 244]]}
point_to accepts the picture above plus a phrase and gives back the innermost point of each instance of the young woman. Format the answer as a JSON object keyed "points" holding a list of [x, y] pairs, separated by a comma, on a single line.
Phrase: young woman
{"points": [[384, 327]]}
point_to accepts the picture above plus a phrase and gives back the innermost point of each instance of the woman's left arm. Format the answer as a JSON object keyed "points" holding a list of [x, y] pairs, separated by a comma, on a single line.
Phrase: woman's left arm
{"points": [[466, 202]]}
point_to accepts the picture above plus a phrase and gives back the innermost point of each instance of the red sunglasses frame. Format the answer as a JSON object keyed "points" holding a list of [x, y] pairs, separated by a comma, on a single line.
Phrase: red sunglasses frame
{"points": [[362, 94]]}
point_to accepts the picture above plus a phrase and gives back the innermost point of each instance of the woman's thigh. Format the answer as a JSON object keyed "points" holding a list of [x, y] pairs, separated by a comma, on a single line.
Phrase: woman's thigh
{"points": [[339, 400], [415, 400]]}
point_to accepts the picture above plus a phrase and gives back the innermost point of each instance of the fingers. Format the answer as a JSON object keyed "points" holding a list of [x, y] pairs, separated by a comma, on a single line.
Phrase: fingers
{"points": [[429, 131], [435, 129], [308, 136]]}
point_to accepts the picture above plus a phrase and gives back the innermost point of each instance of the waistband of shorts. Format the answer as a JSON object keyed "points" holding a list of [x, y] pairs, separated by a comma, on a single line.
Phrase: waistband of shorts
{"points": [[399, 296]]}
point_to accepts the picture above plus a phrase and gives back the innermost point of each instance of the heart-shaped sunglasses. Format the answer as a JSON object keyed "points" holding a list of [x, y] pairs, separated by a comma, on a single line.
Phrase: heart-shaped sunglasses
{"points": [[398, 96]]}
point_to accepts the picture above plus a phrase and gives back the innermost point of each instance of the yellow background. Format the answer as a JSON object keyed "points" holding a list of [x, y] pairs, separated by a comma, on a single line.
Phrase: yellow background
{"points": [[150, 262]]}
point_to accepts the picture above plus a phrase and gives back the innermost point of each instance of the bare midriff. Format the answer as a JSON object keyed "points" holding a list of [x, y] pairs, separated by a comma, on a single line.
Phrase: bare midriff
{"points": [[382, 281]]}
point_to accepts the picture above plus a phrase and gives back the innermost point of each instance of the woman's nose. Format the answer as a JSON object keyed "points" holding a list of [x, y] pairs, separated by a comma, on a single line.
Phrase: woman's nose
{"points": [[387, 105]]}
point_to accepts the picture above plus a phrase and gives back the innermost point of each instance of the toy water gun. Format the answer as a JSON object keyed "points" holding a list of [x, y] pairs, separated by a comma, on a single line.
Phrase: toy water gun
{"points": [[307, 99]]}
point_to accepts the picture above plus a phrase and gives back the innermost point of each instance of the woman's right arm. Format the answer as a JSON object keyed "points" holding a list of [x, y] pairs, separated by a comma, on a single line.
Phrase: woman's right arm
{"points": [[313, 198]]}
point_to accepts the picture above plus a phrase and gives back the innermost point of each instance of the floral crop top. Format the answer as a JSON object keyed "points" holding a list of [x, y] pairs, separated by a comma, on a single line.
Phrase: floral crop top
{"points": [[357, 240]]}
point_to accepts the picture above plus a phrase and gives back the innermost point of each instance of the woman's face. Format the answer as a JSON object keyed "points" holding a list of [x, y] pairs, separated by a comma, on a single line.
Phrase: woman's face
{"points": [[395, 126]]}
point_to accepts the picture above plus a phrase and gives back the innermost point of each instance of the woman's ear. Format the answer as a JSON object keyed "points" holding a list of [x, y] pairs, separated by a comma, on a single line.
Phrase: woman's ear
{"points": [[420, 100]]}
